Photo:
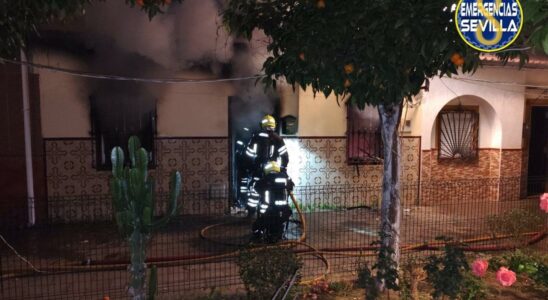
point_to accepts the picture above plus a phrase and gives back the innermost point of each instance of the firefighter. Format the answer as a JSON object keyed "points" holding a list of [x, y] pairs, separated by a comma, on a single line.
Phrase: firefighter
{"points": [[271, 194], [263, 147], [243, 168], [266, 146]]}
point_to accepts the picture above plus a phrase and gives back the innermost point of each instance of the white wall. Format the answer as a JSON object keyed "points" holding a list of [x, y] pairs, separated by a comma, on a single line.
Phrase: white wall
{"points": [[188, 110], [502, 106], [64, 104], [202, 109], [193, 110], [319, 116]]}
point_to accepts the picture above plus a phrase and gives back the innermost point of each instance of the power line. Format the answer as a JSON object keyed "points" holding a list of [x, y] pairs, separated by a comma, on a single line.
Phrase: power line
{"points": [[126, 78], [193, 81]]}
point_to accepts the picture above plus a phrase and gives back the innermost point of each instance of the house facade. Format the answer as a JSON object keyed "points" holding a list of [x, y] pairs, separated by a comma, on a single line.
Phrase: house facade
{"points": [[489, 126]]}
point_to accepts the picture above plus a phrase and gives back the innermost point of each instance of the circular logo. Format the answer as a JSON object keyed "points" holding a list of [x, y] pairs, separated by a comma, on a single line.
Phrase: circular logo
{"points": [[489, 25]]}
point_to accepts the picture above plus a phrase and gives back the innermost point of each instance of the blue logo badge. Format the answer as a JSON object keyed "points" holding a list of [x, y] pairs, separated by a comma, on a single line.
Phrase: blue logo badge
{"points": [[489, 25]]}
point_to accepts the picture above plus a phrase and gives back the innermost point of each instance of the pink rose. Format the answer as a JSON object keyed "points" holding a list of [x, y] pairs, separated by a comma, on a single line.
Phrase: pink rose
{"points": [[479, 267], [506, 277], [544, 202]]}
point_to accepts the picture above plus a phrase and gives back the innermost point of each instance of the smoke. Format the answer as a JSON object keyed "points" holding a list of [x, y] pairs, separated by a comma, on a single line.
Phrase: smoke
{"points": [[252, 102], [185, 36], [130, 31], [188, 36], [200, 37]]}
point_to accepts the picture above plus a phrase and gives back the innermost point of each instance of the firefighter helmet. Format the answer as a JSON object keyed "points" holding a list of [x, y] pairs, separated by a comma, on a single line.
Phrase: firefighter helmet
{"points": [[272, 167], [268, 122]]}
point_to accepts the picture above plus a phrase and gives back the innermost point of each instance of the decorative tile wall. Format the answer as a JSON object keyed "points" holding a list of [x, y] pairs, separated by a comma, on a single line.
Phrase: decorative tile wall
{"points": [[492, 166], [322, 162], [204, 164], [410, 159], [443, 180], [486, 166], [510, 170], [75, 187], [69, 169]]}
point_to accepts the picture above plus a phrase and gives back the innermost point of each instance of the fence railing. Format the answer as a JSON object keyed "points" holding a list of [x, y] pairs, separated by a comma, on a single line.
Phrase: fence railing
{"points": [[77, 253]]}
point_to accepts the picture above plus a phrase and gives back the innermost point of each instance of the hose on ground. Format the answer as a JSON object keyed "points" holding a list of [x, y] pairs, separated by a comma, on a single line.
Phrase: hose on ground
{"points": [[309, 250]]}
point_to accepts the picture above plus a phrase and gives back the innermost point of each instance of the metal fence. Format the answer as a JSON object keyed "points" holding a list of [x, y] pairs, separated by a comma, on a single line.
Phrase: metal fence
{"points": [[77, 253]]}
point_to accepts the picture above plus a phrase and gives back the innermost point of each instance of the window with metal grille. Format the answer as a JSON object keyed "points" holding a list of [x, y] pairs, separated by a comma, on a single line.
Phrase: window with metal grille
{"points": [[114, 120], [458, 130], [363, 136]]}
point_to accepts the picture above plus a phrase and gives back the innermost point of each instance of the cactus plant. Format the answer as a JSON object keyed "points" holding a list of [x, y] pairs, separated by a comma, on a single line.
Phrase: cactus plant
{"points": [[133, 205]]}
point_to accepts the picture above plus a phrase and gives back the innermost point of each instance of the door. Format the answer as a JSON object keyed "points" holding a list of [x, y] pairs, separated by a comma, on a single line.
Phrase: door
{"points": [[537, 177], [244, 118]]}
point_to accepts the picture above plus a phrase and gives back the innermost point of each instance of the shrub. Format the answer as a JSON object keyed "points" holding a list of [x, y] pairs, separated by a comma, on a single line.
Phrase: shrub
{"points": [[473, 288], [534, 267], [264, 270], [367, 281], [447, 272], [412, 274]]}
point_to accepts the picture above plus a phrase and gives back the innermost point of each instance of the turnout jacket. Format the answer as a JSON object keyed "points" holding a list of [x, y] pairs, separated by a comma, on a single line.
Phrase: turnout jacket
{"points": [[272, 191], [266, 146]]}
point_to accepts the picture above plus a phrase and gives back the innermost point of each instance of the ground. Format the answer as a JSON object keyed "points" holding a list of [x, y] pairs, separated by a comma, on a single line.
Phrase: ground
{"points": [[89, 260]]}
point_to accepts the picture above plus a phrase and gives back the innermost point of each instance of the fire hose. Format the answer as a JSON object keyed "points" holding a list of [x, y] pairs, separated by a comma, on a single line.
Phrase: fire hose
{"points": [[358, 251]]}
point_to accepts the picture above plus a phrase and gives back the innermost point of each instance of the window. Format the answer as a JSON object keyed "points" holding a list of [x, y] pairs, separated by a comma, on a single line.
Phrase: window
{"points": [[363, 137], [458, 133], [114, 119]]}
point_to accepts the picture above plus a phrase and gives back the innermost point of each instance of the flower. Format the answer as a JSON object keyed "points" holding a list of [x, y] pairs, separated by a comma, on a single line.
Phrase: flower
{"points": [[506, 277], [479, 267], [544, 202]]}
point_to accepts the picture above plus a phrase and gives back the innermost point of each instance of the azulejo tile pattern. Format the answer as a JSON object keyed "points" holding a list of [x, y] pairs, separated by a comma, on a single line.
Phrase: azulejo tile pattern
{"points": [[498, 168], [70, 174], [204, 164], [322, 162]]}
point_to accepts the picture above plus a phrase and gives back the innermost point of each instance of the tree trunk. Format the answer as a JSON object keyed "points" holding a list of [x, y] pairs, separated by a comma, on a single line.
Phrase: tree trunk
{"points": [[390, 206]]}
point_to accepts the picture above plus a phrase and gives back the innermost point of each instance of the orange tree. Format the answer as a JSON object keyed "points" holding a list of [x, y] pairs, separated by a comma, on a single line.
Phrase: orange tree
{"points": [[377, 53]]}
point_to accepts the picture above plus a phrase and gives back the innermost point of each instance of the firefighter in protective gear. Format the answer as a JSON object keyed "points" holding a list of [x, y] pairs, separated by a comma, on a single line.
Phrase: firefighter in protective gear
{"points": [[263, 147], [243, 168], [271, 194]]}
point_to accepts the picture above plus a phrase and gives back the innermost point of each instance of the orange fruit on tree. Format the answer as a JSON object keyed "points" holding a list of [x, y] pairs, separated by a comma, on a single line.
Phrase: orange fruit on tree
{"points": [[301, 56], [459, 62], [349, 68], [320, 4], [455, 58], [140, 2]]}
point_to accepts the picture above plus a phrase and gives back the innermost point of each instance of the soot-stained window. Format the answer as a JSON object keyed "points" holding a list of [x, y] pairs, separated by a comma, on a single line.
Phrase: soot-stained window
{"points": [[458, 130], [115, 116], [363, 136]]}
